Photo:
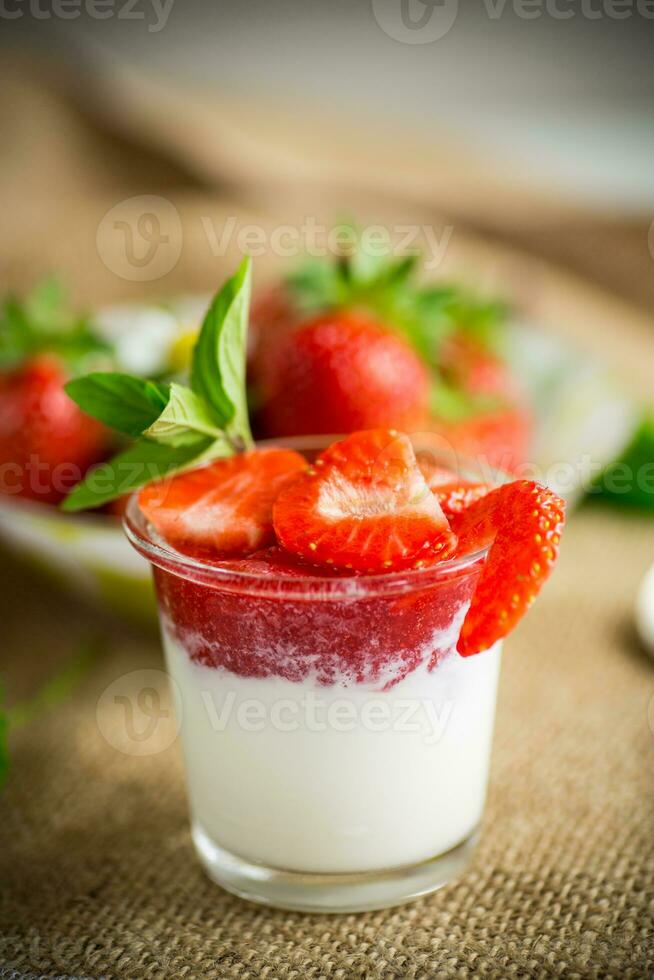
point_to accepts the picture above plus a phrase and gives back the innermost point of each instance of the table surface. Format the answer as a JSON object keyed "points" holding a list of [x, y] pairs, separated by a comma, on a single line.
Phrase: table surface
{"points": [[96, 863]]}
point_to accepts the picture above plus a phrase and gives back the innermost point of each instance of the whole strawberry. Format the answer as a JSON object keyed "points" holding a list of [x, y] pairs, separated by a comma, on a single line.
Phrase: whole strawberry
{"points": [[46, 442], [357, 343], [496, 437], [341, 372]]}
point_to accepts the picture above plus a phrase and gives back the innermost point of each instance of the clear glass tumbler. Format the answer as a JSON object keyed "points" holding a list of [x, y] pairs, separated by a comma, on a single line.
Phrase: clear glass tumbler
{"points": [[336, 745]]}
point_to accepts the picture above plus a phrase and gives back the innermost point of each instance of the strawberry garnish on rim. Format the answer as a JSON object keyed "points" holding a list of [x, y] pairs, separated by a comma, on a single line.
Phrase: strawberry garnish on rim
{"points": [[224, 508], [521, 522], [364, 506]]}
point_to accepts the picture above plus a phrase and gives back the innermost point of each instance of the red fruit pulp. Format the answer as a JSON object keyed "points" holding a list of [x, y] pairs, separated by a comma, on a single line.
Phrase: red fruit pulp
{"points": [[375, 637]]}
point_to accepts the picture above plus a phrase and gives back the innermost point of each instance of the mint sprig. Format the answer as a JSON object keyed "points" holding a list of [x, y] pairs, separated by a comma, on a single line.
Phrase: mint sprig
{"points": [[219, 363], [176, 427], [124, 403], [43, 322]]}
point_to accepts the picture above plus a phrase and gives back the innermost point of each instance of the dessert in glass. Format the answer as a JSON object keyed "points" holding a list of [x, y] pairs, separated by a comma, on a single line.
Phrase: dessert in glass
{"points": [[332, 614], [336, 741]]}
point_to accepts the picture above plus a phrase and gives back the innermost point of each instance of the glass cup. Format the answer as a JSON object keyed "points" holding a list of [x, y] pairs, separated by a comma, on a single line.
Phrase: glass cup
{"points": [[336, 745]]}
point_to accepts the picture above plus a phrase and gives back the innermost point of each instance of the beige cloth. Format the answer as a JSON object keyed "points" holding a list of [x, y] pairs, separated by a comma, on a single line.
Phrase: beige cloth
{"points": [[97, 874]]}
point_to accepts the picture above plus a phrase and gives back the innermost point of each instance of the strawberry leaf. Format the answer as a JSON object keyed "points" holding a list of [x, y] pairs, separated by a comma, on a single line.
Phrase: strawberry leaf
{"points": [[385, 286], [42, 322]]}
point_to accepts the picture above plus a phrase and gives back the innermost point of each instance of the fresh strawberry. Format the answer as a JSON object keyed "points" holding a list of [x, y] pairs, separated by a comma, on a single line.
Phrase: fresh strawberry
{"points": [[454, 498], [522, 523], [273, 313], [343, 372], [498, 438], [454, 493], [224, 508], [472, 366], [46, 442], [364, 506]]}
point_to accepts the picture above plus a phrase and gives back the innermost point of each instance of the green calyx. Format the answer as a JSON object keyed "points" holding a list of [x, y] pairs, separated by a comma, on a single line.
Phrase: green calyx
{"points": [[385, 286], [176, 427], [44, 323]]}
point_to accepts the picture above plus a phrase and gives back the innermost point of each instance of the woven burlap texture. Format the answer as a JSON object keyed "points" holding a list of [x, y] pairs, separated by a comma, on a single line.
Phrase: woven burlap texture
{"points": [[97, 873], [99, 878]]}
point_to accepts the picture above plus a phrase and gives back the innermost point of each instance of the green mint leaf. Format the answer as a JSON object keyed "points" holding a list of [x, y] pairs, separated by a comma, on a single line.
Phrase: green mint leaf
{"points": [[129, 405], [141, 463], [185, 420], [218, 368]]}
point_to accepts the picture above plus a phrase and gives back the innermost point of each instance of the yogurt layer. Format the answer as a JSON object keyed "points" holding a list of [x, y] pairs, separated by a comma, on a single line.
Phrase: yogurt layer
{"points": [[303, 776]]}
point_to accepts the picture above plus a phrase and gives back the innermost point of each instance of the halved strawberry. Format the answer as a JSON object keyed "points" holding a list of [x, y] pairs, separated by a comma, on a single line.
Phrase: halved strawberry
{"points": [[365, 506], [522, 523], [224, 508]]}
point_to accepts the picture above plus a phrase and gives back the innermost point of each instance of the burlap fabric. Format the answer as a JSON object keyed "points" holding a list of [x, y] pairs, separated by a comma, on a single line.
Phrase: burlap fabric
{"points": [[97, 873]]}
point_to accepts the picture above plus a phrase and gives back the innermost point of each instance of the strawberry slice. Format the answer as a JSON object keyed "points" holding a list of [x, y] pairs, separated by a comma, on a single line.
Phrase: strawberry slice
{"points": [[364, 506], [225, 507], [454, 498], [454, 493], [522, 523]]}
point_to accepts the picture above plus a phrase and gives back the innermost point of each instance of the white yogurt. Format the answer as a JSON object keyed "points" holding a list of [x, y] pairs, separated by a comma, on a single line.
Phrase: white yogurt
{"points": [[304, 777]]}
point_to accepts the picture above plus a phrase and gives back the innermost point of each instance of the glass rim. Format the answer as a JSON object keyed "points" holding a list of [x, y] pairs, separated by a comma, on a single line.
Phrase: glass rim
{"points": [[162, 555]]}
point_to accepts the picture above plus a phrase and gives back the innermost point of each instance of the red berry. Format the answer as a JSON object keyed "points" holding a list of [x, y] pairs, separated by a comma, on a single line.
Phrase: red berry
{"points": [[470, 365], [224, 508], [499, 439], [522, 523], [46, 442], [454, 493], [342, 372], [273, 317], [364, 506]]}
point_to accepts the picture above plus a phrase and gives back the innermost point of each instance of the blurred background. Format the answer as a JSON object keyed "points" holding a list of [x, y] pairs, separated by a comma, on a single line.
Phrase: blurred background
{"points": [[146, 145], [530, 123]]}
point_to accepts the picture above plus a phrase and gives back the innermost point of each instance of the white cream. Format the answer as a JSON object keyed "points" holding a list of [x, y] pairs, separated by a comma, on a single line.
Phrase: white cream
{"points": [[303, 777]]}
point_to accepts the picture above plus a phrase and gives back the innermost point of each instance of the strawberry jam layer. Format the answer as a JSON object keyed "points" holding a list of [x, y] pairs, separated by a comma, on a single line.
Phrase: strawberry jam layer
{"points": [[357, 638]]}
